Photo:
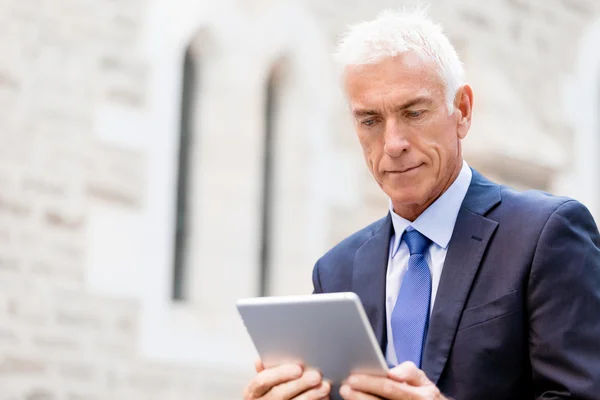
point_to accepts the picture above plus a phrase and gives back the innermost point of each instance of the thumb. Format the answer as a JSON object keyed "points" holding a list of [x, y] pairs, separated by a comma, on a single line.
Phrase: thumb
{"points": [[258, 366], [408, 372]]}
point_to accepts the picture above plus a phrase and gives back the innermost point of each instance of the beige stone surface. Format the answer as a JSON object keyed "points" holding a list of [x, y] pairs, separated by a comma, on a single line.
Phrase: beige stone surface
{"points": [[87, 87]]}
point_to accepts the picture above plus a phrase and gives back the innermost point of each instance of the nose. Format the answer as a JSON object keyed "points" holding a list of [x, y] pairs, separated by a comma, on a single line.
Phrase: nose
{"points": [[395, 140]]}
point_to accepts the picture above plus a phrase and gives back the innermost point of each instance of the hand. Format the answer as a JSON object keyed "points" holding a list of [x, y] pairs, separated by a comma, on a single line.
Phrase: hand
{"points": [[405, 382], [286, 382]]}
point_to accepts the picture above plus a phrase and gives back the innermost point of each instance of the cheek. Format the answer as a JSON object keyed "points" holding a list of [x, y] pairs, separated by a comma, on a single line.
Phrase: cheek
{"points": [[449, 148], [442, 146], [370, 150]]}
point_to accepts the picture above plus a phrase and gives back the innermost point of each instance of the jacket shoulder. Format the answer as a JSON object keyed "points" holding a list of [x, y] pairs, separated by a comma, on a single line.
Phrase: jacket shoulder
{"points": [[533, 202], [345, 250], [529, 211]]}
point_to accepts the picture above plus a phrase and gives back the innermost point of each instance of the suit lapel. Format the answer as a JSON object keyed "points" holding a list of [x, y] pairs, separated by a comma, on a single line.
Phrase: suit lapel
{"points": [[369, 277], [470, 239]]}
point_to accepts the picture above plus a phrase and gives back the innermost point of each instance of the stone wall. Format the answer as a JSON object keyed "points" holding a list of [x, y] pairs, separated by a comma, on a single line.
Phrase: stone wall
{"points": [[63, 60], [59, 60]]}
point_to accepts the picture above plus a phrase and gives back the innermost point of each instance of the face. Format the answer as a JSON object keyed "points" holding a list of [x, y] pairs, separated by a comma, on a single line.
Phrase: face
{"points": [[410, 142]]}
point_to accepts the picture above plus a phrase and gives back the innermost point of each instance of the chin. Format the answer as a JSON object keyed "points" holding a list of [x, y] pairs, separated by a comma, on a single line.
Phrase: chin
{"points": [[408, 197]]}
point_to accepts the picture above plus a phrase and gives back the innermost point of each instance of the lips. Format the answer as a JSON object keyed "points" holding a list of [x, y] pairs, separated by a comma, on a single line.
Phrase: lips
{"points": [[402, 171]]}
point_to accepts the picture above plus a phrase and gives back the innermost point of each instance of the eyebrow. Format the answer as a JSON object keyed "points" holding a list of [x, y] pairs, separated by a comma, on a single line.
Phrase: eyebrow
{"points": [[411, 103]]}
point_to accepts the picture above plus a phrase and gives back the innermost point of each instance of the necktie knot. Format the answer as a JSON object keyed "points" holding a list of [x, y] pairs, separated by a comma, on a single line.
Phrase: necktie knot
{"points": [[417, 242]]}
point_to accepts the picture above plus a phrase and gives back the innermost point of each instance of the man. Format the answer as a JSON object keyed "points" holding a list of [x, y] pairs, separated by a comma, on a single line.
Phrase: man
{"points": [[474, 291]]}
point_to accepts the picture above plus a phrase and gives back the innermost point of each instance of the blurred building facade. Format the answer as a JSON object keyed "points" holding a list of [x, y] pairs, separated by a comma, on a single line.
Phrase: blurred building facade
{"points": [[161, 159]]}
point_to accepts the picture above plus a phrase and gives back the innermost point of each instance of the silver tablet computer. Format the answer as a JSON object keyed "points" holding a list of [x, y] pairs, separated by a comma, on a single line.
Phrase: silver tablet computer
{"points": [[329, 332]]}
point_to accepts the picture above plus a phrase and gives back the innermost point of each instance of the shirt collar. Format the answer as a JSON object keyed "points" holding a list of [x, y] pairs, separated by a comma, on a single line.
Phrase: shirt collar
{"points": [[437, 221]]}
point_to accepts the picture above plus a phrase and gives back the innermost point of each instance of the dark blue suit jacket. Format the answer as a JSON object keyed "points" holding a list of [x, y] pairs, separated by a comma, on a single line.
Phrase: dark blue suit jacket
{"points": [[517, 312]]}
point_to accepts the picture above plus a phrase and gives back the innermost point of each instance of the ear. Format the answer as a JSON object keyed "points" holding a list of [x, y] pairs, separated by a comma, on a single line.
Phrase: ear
{"points": [[463, 103]]}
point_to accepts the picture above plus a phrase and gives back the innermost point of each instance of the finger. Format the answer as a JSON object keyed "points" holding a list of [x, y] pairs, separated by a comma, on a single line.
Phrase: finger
{"points": [[365, 383], [348, 393], [271, 377], [382, 387], [310, 379], [258, 366], [318, 393], [409, 373]]}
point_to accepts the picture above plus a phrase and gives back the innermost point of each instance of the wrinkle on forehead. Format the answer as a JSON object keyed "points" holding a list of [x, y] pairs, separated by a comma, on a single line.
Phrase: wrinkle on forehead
{"points": [[393, 81]]}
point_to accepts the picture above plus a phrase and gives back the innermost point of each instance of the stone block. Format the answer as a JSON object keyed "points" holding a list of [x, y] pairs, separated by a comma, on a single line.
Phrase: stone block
{"points": [[54, 271], [77, 320], [8, 82], [13, 206], [22, 365], [83, 396], [57, 343], [9, 263], [78, 371], [9, 336], [40, 394], [33, 311], [62, 220], [44, 186]]}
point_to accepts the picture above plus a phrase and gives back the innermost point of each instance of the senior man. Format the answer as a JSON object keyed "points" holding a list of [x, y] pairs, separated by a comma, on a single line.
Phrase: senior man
{"points": [[475, 291]]}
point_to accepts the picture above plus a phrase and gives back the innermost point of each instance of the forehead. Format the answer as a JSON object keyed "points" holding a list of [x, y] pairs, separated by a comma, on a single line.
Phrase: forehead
{"points": [[393, 79]]}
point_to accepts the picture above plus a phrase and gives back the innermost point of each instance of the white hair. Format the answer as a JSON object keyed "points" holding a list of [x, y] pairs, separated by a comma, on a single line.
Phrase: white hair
{"points": [[397, 32]]}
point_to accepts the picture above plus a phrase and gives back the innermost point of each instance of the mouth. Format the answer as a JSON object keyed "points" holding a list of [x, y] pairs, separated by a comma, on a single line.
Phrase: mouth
{"points": [[404, 171]]}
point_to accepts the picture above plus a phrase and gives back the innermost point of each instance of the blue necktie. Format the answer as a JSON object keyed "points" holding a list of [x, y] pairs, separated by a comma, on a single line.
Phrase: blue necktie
{"points": [[410, 317]]}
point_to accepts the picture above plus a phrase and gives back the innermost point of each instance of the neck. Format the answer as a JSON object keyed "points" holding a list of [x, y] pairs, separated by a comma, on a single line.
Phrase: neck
{"points": [[412, 211]]}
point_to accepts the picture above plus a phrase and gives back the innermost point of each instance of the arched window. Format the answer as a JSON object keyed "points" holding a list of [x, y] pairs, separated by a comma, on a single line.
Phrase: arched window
{"points": [[186, 137], [294, 219], [271, 112], [581, 177]]}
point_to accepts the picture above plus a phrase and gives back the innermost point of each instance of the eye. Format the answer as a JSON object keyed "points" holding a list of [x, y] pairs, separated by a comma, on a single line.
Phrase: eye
{"points": [[414, 114], [368, 122]]}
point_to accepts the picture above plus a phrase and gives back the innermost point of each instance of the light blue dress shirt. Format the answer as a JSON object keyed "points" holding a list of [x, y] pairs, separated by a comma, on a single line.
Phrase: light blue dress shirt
{"points": [[437, 223]]}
